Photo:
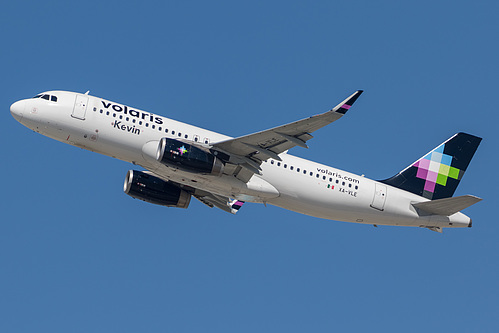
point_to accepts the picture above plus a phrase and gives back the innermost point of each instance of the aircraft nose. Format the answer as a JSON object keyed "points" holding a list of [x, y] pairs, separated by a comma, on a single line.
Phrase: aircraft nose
{"points": [[17, 110]]}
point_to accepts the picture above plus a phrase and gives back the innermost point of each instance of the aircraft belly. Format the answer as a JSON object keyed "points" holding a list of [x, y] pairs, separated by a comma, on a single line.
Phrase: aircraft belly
{"points": [[318, 199], [342, 212]]}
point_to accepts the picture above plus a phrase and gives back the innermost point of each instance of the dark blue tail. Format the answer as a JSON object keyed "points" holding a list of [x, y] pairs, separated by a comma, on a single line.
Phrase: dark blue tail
{"points": [[437, 174]]}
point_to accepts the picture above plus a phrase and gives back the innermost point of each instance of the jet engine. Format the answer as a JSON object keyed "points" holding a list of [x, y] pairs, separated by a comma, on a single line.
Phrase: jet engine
{"points": [[188, 157], [146, 187]]}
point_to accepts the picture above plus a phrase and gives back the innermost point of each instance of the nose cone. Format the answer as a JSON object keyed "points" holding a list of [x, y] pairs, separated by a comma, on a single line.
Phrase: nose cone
{"points": [[17, 110]]}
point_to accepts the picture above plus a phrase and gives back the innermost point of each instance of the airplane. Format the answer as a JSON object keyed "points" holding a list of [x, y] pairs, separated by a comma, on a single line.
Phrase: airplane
{"points": [[182, 161]]}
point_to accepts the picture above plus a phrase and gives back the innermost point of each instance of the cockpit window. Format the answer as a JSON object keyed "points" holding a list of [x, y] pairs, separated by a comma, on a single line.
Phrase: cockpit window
{"points": [[47, 97]]}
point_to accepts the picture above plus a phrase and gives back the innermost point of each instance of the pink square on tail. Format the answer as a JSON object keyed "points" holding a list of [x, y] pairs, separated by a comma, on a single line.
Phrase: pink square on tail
{"points": [[432, 176], [429, 186], [424, 163], [422, 173]]}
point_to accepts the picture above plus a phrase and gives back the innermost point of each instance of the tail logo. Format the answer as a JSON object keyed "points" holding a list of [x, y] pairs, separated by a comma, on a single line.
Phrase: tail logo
{"points": [[435, 168], [437, 174]]}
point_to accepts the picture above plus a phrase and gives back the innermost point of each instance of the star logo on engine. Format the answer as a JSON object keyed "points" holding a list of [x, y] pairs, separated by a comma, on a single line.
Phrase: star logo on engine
{"points": [[182, 150]]}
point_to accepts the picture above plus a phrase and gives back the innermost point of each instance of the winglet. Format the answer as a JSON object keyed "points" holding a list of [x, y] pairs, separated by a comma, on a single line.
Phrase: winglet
{"points": [[347, 103], [235, 205]]}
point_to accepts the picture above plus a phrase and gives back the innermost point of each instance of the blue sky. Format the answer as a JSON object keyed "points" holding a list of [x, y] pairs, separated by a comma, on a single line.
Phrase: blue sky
{"points": [[78, 255]]}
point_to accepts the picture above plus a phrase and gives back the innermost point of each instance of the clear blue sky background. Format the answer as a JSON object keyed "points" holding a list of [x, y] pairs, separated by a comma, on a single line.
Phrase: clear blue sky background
{"points": [[78, 255]]}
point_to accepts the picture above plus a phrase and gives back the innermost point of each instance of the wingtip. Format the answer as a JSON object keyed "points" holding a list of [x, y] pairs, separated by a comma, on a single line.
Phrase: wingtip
{"points": [[344, 106], [235, 205], [356, 95]]}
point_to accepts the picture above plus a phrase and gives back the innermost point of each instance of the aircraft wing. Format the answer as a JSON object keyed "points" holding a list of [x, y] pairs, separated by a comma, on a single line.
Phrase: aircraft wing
{"points": [[211, 200], [250, 150]]}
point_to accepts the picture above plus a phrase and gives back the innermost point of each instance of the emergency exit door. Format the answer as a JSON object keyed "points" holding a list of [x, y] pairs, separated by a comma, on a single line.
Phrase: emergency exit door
{"points": [[80, 107]]}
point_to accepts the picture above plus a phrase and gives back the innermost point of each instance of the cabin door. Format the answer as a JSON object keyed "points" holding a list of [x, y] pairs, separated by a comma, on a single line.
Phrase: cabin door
{"points": [[80, 107]]}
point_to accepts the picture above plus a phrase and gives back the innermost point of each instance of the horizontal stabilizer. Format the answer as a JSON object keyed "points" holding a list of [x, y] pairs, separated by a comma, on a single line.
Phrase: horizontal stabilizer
{"points": [[447, 206]]}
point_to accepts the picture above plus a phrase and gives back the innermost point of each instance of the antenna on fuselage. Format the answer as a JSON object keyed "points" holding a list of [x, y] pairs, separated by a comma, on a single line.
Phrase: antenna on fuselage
{"points": [[87, 92]]}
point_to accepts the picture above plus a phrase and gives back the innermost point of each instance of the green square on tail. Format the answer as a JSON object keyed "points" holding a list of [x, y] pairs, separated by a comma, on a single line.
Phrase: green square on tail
{"points": [[454, 173], [442, 179], [444, 170]]}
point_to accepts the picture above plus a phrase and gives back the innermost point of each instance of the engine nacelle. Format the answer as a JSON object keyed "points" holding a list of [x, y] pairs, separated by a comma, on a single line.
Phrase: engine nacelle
{"points": [[145, 187], [188, 157]]}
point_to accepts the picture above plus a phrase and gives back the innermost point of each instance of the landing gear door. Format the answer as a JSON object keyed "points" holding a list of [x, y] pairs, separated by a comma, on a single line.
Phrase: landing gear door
{"points": [[379, 197], [80, 107]]}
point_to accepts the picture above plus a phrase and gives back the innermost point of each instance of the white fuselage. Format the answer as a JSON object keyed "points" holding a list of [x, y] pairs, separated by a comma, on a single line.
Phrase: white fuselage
{"points": [[294, 183]]}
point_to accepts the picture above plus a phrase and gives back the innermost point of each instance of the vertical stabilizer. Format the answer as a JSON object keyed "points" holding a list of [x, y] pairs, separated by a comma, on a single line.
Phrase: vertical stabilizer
{"points": [[437, 174]]}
